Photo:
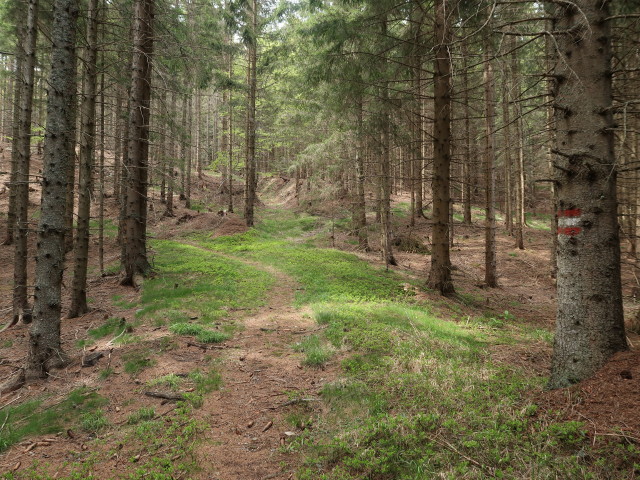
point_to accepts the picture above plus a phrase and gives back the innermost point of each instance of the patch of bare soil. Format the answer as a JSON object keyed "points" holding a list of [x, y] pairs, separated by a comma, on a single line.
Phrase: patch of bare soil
{"points": [[246, 428], [186, 221], [607, 403]]}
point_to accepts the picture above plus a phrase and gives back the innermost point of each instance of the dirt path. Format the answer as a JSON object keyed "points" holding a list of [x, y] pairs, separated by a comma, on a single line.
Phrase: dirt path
{"points": [[264, 381]]}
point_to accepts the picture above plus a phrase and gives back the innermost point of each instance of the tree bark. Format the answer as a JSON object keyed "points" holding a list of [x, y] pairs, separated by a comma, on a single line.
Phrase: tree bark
{"points": [[172, 157], [360, 213], [15, 148], [589, 324], [134, 246], [45, 350], [490, 274], [86, 161], [28, 34], [250, 157], [440, 273], [189, 150]]}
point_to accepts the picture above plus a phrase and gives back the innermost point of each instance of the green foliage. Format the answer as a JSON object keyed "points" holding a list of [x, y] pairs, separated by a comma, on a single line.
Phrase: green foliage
{"points": [[113, 326], [93, 422], [106, 373], [538, 221], [324, 274], [142, 414], [190, 279], [41, 417], [201, 333], [136, 361], [316, 352]]}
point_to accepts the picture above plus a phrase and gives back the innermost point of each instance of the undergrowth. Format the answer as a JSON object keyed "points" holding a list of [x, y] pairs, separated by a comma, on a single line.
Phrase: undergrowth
{"points": [[192, 283], [42, 416], [324, 274]]}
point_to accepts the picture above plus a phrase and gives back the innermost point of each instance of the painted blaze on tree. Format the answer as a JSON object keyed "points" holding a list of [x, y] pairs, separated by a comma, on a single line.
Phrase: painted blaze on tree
{"points": [[589, 327]]}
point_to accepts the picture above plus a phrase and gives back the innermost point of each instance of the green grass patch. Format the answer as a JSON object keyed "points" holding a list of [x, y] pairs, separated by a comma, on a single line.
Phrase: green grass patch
{"points": [[136, 361], [40, 417], [316, 352], [110, 228], [538, 221], [202, 333], [93, 422], [420, 397], [324, 274], [191, 280], [140, 415]]}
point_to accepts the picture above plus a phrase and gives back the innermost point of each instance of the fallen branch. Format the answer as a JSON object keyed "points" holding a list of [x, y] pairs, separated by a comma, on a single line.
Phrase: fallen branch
{"points": [[173, 397], [206, 347]]}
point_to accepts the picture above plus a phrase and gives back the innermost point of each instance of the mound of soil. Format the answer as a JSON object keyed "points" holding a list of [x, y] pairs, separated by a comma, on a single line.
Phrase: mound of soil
{"points": [[608, 402]]}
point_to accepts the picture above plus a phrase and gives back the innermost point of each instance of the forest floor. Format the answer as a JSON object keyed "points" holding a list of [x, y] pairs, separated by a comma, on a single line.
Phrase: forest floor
{"points": [[283, 352]]}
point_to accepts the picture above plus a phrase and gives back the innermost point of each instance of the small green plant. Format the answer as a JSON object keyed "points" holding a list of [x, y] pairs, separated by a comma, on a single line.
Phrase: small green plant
{"points": [[171, 380], [93, 422], [136, 361], [106, 373], [37, 417], [316, 353], [186, 329], [206, 382], [212, 336], [142, 414]]}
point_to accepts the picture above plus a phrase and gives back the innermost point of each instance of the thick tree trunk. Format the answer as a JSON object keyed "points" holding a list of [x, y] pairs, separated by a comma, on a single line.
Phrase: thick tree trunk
{"points": [[86, 161], [506, 143], [134, 246], [467, 163], [440, 273], [45, 350], [71, 173], [28, 34], [250, 157], [230, 144], [189, 150], [385, 173], [172, 158], [101, 172], [15, 148], [490, 275], [359, 211], [589, 326], [117, 150], [198, 128]]}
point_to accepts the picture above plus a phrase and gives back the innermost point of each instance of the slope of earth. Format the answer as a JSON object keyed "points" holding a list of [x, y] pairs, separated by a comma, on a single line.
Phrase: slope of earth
{"points": [[283, 352]]}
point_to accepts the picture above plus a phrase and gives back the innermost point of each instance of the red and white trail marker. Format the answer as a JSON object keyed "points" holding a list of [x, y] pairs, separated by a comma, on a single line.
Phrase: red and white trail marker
{"points": [[568, 221]]}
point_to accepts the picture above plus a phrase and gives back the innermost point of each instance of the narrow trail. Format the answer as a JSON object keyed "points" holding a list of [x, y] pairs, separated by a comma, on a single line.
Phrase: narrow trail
{"points": [[263, 380]]}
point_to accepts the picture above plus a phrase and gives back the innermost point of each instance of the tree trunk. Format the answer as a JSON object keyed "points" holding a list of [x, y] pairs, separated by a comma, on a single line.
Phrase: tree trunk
{"points": [[490, 275], [385, 172], [198, 127], [440, 273], [15, 148], [466, 166], [589, 325], [71, 173], [189, 150], [250, 157], [117, 150], [101, 172], [87, 152], [25, 80], [172, 157], [230, 144], [506, 142], [359, 211], [45, 350], [134, 246]]}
